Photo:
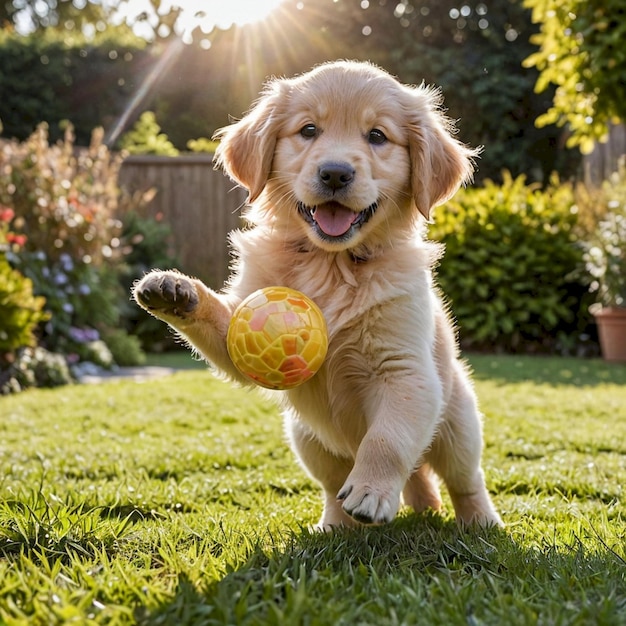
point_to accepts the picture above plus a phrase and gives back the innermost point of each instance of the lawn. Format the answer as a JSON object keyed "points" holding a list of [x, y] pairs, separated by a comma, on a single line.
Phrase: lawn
{"points": [[176, 501]]}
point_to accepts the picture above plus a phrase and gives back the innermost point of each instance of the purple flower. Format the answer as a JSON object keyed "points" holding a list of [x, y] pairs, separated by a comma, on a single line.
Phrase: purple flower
{"points": [[83, 335], [66, 262], [60, 279], [92, 334], [76, 334]]}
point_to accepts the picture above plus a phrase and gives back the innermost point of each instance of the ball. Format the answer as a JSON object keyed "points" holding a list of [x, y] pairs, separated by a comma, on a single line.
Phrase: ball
{"points": [[277, 338]]}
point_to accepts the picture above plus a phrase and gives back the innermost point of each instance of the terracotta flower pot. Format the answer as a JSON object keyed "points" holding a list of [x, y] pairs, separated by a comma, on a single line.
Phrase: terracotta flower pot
{"points": [[611, 323]]}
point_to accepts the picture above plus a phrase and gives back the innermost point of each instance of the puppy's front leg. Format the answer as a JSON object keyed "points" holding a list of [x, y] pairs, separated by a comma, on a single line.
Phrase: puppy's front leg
{"points": [[400, 431], [196, 312]]}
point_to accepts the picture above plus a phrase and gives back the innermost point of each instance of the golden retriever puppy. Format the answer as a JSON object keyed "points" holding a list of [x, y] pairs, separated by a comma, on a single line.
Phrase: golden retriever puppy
{"points": [[343, 164]]}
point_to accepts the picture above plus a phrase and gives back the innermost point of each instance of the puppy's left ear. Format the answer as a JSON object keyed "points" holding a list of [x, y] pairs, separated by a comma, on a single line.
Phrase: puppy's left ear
{"points": [[440, 164], [246, 148]]}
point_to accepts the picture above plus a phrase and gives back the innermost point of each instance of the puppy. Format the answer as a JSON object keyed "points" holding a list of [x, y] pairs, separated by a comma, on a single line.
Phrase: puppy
{"points": [[343, 165]]}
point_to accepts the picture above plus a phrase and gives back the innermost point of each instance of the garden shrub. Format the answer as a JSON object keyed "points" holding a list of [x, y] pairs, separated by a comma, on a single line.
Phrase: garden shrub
{"points": [[513, 269], [202, 144], [145, 137], [22, 363], [34, 367], [80, 297], [65, 199], [125, 349], [66, 202], [20, 310]]}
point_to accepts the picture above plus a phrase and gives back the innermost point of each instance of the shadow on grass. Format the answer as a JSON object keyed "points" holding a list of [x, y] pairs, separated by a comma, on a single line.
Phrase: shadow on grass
{"points": [[418, 570]]}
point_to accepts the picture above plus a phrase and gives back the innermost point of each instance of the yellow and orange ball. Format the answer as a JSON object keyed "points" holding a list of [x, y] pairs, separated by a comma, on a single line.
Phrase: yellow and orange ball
{"points": [[277, 338]]}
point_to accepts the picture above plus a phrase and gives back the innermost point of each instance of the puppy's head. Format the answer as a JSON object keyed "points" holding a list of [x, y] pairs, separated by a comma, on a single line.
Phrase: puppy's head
{"points": [[346, 154]]}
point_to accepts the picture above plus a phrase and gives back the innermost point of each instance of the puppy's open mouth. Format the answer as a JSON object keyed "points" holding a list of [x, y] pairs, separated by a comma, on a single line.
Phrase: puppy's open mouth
{"points": [[334, 221]]}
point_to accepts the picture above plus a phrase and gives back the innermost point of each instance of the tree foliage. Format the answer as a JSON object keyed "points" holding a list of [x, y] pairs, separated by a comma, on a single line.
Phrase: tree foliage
{"points": [[473, 50], [69, 15], [52, 76], [582, 52]]}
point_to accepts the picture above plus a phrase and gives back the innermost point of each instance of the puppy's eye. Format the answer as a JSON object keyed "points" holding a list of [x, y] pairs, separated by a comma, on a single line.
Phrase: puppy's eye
{"points": [[309, 131], [376, 136]]}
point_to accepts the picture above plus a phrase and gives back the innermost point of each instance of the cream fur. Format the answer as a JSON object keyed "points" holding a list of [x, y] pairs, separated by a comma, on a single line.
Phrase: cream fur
{"points": [[393, 405]]}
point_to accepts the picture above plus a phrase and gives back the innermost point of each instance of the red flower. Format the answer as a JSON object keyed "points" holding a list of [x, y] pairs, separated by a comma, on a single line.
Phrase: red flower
{"points": [[18, 240], [6, 214]]}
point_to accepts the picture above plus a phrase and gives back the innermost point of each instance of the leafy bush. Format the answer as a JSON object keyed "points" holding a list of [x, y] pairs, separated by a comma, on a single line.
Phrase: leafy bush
{"points": [[81, 299], [66, 202], [125, 349], [513, 269], [202, 144], [145, 137], [20, 310], [34, 367]]}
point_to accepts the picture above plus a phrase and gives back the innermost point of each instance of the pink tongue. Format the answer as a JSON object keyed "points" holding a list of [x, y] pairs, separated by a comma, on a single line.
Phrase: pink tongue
{"points": [[334, 219]]}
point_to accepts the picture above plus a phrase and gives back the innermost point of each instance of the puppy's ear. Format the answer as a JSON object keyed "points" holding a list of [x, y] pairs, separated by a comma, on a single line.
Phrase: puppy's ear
{"points": [[439, 162], [246, 148]]}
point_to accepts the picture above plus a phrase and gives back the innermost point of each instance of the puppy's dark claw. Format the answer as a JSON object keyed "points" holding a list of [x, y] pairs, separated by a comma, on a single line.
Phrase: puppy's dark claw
{"points": [[344, 493]]}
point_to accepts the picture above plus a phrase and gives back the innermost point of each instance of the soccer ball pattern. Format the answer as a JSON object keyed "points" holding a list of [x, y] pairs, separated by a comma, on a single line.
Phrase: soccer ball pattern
{"points": [[277, 338]]}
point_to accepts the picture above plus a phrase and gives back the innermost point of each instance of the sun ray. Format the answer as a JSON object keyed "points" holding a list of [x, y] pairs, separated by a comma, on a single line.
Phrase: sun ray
{"points": [[223, 14], [159, 69], [273, 41]]}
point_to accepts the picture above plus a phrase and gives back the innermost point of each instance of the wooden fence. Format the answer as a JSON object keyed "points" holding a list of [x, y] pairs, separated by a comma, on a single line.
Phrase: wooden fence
{"points": [[604, 159], [201, 206]]}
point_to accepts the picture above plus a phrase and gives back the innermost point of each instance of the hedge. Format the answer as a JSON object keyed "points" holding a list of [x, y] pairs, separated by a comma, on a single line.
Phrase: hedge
{"points": [[514, 270]]}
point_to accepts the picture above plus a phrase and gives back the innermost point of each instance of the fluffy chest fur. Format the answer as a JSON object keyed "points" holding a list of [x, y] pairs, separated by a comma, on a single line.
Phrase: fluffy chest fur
{"points": [[362, 300], [343, 287]]}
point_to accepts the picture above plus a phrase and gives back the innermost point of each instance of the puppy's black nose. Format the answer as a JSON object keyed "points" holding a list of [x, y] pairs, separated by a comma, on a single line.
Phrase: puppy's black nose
{"points": [[336, 175]]}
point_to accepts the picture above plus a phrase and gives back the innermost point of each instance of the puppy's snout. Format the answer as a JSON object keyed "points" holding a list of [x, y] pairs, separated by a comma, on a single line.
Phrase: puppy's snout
{"points": [[336, 175]]}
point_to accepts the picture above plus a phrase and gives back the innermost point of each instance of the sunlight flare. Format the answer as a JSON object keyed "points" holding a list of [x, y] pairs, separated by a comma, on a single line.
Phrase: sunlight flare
{"points": [[206, 16]]}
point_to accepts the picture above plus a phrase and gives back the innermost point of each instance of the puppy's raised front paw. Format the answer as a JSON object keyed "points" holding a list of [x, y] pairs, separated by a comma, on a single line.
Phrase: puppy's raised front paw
{"points": [[368, 505], [166, 293]]}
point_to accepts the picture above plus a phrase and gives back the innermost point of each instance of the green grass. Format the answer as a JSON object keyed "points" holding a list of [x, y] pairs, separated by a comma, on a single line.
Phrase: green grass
{"points": [[176, 501]]}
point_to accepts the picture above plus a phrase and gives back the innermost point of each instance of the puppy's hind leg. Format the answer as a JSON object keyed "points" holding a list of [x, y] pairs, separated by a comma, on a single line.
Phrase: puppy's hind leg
{"points": [[421, 491], [455, 456]]}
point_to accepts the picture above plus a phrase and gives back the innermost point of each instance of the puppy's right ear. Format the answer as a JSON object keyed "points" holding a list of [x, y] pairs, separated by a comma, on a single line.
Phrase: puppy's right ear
{"points": [[246, 148]]}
